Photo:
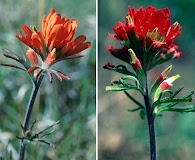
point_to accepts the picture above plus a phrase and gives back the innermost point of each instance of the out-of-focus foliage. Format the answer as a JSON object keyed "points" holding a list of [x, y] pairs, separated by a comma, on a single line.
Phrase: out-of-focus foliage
{"points": [[72, 102], [122, 134]]}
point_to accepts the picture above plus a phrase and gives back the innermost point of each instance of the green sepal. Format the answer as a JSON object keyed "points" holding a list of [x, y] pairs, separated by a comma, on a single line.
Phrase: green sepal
{"points": [[138, 69], [162, 60], [151, 57]]}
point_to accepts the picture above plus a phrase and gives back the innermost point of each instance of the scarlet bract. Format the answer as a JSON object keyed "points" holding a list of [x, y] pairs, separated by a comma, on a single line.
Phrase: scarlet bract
{"points": [[149, 33], [53, 43]]}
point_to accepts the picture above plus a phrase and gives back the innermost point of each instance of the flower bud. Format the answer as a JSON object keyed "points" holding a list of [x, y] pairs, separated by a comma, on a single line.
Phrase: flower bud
{"points": [[51, 57], [32, 57]]}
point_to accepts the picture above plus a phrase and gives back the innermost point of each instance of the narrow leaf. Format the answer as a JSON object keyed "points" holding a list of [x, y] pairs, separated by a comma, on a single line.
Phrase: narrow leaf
{"points": [[177, 100], [123, 88], [130, 78], [13, 66], [120, 69], [133, 99], [133, 110], [177, 92], [181, 109]]}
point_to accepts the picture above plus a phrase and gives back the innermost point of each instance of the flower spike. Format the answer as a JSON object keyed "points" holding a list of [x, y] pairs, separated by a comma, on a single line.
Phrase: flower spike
{"points": [[149, 33], [52, 44]]}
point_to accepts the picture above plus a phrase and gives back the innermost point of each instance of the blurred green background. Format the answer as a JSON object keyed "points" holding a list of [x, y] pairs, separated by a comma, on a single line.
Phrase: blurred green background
{"points": [[72, 102], [122, 135]]}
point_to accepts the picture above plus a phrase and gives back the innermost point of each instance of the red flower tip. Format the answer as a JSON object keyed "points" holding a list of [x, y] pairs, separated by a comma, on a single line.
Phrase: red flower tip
{"points": [[108, 66], [168, 82]]}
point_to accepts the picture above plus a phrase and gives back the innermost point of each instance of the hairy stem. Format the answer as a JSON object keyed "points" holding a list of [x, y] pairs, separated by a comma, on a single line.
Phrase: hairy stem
{"points": [[28, 115], [150, 119]]}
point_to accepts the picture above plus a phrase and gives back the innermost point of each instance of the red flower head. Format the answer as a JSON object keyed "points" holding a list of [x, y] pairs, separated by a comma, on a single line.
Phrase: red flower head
{"points": [[52, 44], [149, 33]]}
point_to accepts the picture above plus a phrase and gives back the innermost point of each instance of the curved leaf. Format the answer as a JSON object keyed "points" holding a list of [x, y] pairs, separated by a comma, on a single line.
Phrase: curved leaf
{"points": [[134, 100], [120, 69]]}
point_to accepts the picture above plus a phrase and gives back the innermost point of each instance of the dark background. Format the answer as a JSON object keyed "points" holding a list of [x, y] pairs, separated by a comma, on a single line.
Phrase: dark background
{"points": [[122, 135], [72, 102]]}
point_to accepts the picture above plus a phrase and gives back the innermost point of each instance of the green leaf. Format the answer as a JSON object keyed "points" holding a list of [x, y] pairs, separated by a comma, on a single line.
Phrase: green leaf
{"points": [[181, 109], [133, 110], [168, 103], [11, 55], [142, 114], [129, 78], [177, 92], [122, 85], [160, 97], [12, 66], [134, 100], [121, 88], [177, 100], [107, 158], [120, 69]]}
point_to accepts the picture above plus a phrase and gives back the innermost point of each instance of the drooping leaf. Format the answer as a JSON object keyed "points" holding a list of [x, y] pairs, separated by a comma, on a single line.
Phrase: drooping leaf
{"points": [[122, 80], [122, 85], [11, 55], [134, 100], [133, 110], [120, 69], [12, 66]]}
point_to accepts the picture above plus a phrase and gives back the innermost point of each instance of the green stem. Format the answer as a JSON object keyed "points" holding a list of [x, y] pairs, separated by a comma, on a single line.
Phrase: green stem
{"points": [[150, 119], [28, 115]]}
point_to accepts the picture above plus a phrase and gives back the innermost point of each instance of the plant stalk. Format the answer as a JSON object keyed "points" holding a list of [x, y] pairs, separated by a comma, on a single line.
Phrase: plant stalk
{"points": [[150, 119], [28, 114]]}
